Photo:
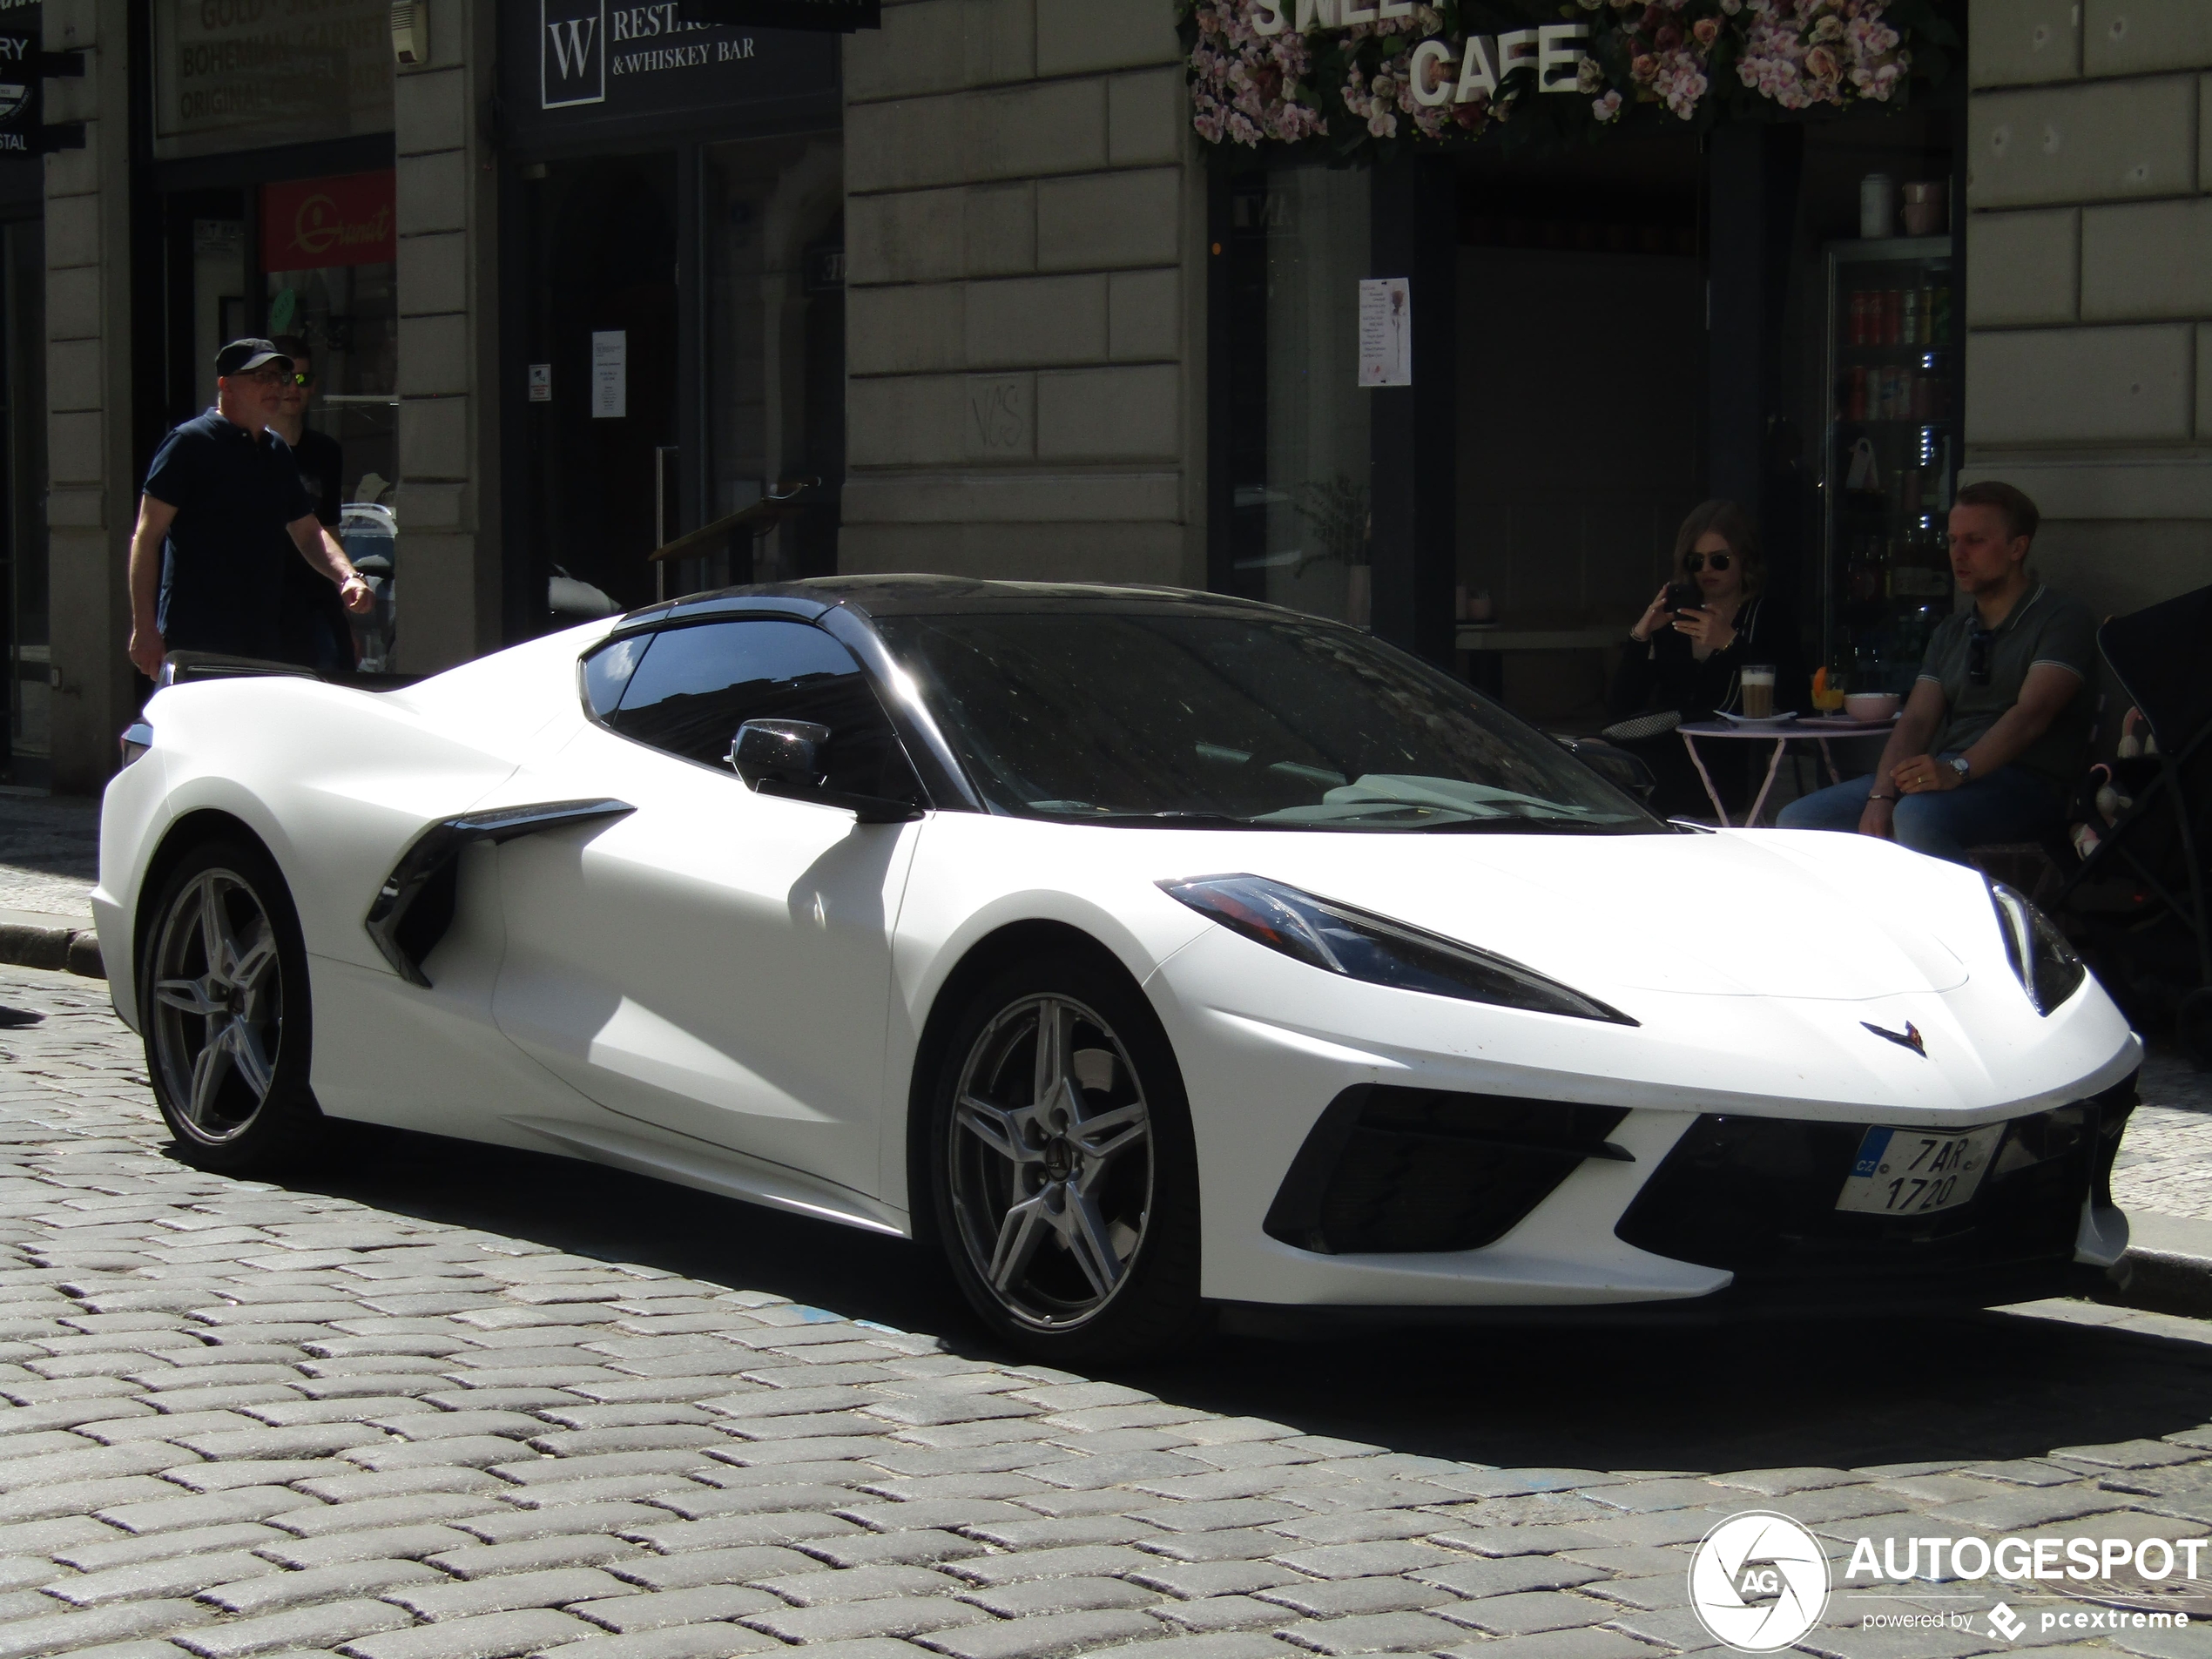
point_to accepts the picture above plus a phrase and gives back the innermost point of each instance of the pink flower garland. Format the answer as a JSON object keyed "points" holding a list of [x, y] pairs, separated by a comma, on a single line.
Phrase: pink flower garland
{"points": [[1804, 52], [1242, 83], [1248, 87]]}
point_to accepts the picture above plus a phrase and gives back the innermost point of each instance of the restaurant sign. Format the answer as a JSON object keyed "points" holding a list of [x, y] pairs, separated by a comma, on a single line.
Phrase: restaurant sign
{"points": [[314, 223], [842, 16], [583, 66]]}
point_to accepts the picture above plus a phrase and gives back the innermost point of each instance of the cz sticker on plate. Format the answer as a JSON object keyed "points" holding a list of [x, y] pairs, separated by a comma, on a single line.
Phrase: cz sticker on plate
{"points": [[1911, 1171]]}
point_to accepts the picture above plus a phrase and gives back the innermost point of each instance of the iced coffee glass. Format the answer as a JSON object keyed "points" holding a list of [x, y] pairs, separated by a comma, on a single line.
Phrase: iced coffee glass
{"points": [[1758, 690]]}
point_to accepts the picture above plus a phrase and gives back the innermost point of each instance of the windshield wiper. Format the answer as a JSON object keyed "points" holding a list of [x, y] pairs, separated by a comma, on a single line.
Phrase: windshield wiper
{"points": [[1168, 819], [1538, 827]]}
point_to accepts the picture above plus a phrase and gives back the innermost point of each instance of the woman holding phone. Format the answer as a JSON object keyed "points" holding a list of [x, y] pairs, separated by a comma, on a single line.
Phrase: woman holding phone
{"points": [[1686, 655]]}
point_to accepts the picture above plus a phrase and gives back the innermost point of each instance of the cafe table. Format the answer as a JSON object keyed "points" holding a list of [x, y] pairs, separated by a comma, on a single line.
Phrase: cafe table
{"points": [[1819, 729]]}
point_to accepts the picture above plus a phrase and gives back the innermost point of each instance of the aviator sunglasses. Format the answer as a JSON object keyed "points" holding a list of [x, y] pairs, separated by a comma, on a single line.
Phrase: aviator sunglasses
{"points": [[1694, 562]]}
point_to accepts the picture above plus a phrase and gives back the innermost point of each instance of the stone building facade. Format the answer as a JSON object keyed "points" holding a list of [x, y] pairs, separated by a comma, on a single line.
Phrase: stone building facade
{"points": [[2089, 295], [1012, 290], [1025, 232]]}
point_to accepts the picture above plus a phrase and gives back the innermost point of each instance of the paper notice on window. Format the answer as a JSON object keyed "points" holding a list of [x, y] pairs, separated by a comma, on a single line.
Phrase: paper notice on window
{"points": [[1386, 330], [610, 375]]}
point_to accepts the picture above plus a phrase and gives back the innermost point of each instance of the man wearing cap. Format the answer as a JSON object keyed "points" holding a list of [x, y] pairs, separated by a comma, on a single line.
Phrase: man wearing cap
{"points": [[223, 509]]}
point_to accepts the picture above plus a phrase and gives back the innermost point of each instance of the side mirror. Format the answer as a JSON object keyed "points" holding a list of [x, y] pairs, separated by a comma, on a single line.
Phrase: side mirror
{"points": [[787, 758], [789, 751]]}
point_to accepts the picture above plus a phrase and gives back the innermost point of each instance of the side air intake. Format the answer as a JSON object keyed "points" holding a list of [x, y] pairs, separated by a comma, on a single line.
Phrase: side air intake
{"points": [[1389, 1170]]}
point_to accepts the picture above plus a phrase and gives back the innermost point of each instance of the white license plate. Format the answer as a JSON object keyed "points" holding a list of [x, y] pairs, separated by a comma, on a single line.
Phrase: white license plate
{"points": [[1912, 1172]]}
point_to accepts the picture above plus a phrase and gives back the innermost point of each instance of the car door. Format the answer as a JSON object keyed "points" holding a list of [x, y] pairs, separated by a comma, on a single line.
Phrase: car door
{"points": [[717, 962]]}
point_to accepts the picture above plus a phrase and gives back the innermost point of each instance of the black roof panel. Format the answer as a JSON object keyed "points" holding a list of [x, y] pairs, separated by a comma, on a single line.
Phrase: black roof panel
{"points": [[935, 595]]}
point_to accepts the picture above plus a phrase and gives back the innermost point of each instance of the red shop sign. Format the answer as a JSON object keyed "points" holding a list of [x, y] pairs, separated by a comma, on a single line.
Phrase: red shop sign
{"points": [[311, 223]]}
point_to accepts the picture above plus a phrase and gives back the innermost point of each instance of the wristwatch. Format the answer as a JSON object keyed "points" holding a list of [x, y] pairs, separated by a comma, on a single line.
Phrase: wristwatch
{"points": [[1959, 764]]}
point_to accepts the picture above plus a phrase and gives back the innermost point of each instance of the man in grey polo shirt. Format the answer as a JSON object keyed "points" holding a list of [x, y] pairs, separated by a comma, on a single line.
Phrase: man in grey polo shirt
{"points": [[1996, 733]]}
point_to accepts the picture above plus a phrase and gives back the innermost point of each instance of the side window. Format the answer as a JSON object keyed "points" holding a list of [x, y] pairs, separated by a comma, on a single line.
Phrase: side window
{"points": [[606, 673], [692, 691]]}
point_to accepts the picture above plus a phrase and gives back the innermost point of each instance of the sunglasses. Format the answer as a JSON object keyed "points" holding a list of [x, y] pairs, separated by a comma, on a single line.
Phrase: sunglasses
{"points": [[1979, 647], [305, 377], [1695, 561]]}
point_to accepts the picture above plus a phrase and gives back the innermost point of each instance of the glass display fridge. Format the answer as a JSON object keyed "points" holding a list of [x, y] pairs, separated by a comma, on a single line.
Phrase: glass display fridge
{"points": [[1895, 349]]}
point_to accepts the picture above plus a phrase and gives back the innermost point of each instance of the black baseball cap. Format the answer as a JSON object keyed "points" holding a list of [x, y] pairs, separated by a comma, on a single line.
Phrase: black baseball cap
{"points": [[241, 356]]}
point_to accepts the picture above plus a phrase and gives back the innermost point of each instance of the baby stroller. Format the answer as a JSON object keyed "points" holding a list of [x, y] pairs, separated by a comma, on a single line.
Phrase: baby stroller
{"points": [[2138, 901]]}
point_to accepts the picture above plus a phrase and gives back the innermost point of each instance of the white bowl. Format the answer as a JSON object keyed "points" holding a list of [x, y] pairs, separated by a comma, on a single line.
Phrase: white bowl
{"points": [[1870, 705]]}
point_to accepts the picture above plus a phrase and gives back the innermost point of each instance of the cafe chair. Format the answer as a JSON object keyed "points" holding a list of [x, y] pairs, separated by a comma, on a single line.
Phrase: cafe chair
{"points": [[2137, 903]]}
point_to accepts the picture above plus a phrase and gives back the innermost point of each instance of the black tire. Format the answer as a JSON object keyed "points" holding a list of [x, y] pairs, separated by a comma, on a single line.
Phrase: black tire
{"points": [[1028, 1236], [239, 990]]}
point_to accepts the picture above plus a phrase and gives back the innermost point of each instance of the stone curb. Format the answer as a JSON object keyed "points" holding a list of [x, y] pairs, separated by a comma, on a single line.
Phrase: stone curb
{"points": [[59, 949], [2168, 1266]]}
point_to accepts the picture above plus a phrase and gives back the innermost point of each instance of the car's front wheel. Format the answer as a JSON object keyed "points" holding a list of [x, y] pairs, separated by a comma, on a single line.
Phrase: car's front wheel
{"points": [[223, 1003], [1062, 1169]]}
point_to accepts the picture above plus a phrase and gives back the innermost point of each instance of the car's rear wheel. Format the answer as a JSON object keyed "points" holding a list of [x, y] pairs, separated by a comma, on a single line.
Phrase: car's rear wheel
{"points": [[1063, 1173], [223, 1002]]}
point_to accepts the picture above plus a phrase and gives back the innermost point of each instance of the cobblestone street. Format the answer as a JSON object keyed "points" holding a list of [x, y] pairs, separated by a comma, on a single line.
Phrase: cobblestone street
{"points": [[482, 1405], [2162, 1164]]}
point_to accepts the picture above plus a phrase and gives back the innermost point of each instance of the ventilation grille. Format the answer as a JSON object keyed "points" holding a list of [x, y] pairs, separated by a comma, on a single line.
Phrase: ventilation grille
{"points": [[1757, 1197], [1403, 1169]]}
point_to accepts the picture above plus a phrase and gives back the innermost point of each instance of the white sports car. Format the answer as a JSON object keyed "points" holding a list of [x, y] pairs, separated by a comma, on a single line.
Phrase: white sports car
{"points": [[1149, 950]]}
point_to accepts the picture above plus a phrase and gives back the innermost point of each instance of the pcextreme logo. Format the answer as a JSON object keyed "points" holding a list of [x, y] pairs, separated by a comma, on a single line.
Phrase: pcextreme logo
{"points": [[1758, 1581]]}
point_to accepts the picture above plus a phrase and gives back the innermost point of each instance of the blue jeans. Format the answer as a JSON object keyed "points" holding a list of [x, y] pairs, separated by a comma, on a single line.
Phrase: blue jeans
{"points": [[2008, 805]]}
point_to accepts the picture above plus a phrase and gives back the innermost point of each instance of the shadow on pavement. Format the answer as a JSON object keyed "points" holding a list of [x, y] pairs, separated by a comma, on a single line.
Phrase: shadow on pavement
{"points": [[1762, 1395]]}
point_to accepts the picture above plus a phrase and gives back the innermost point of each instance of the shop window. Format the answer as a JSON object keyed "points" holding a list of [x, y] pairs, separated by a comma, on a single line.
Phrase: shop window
{"points": [[327, 251], [1300, 524], [22, 509], [246, 74]]}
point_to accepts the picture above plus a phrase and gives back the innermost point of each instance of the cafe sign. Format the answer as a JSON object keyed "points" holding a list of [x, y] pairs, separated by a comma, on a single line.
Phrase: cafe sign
{"points": [[1439, 71], [1362, 79]]}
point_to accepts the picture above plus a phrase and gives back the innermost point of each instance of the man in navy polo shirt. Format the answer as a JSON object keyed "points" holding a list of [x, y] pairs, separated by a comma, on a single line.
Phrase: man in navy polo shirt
{"points": [[223, 509]]}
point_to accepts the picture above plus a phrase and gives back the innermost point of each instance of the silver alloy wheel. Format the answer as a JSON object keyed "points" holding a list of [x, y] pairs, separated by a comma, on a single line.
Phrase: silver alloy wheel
{"points": [[217, 1006], [1050, 1161]]}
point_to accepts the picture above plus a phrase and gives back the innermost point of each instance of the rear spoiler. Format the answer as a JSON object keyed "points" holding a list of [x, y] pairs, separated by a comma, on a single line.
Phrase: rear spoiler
{"points": [[183, 667]]}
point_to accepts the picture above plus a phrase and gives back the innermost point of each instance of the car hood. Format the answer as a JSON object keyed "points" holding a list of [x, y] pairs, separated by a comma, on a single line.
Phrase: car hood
{"points": [[1736, 913]]}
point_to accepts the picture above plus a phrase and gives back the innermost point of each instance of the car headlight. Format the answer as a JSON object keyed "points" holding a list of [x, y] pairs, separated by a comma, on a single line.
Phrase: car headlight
{"points": [[137, 739], [1340, 939], [2049, 971]]}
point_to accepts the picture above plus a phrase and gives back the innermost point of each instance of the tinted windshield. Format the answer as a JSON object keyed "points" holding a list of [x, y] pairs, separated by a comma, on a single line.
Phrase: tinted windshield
{"points": [[1280, 723]]}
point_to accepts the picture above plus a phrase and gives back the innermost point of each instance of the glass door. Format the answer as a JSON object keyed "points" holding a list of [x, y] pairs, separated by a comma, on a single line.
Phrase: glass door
{"points": [[599, 421], [1299, 522], [1892, 457], [329, 262], [771, 431]]}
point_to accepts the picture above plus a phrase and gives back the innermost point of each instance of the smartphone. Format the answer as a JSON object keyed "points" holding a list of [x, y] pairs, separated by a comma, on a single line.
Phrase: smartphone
{"points": [[1684, 596]]}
